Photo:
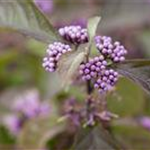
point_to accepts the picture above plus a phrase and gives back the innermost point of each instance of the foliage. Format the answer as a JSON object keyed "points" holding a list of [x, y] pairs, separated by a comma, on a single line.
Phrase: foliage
{"points": [[24, 17]]}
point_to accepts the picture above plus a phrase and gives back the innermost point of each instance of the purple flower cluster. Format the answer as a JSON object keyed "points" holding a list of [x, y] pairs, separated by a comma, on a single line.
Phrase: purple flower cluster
{"points": [[92, 68], [54, 52], [74, 34], [107, 80], [25, 107], [72, 111], [12, 122], [112, 50], [87, 115]]}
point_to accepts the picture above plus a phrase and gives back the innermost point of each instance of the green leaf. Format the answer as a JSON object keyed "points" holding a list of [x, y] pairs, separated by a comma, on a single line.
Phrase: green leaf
{"points": [[138, 71], [94, 139], [127, 128], [37, 132], [126, 93], [5, 137], [68, 65], [24, 16], [92, 26], [7, 141], [143, 37]]}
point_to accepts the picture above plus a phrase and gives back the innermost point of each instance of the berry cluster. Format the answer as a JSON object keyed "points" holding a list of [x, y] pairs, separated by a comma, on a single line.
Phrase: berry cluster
{"points": [[93, 68], [54, 52], [74, 34], [106, 81], [112, 50], [96, 69]]}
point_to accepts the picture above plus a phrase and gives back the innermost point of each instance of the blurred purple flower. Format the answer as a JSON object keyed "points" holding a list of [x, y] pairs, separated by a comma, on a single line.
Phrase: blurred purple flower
{"points": [[45, 5], [81, 22], [29, 105], [86, 114], [44, 109], [26, 106], [145, 122], [12, 122]]}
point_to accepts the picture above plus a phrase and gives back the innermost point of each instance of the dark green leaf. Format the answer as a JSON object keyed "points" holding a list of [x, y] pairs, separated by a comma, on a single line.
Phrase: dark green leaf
{"points": [[24, 16], [138, 71], [7, 141], [94, 139]]}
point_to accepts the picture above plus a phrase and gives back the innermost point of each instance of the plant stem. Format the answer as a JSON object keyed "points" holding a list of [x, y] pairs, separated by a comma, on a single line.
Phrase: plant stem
{"points": [[89, 88], [88, 83]]}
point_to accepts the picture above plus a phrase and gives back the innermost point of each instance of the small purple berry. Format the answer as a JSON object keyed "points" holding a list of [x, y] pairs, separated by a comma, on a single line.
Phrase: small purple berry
{"points": [[54, 53], [74, 34], [106, 81], [114, 51], [92, 68]]}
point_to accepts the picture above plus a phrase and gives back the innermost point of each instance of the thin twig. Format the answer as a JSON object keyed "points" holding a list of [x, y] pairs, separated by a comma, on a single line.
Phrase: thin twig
{"points": [[88, 83]]}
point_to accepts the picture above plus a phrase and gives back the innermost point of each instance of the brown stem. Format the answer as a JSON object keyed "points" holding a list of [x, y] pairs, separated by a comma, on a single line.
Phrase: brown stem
{"points": [[88, 83], [89, 87]]}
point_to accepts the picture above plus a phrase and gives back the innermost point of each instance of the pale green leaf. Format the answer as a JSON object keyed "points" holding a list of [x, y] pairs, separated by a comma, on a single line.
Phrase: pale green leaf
{"points": [[92, 26], [69, 64]]}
